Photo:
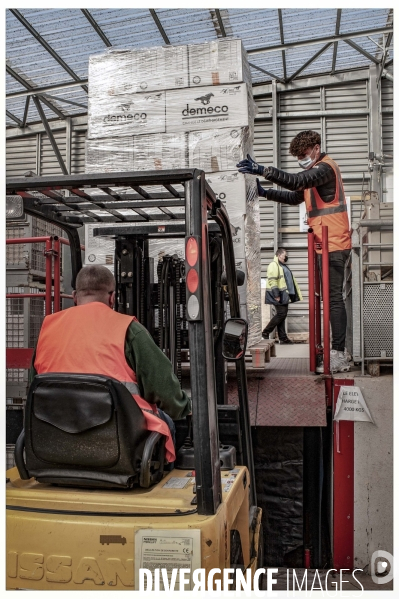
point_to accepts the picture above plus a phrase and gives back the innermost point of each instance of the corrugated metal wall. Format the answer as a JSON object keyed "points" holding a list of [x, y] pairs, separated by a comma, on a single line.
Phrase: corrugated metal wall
{"points": [[387, 136], [48, 161], [78, 151], [21, 153]]}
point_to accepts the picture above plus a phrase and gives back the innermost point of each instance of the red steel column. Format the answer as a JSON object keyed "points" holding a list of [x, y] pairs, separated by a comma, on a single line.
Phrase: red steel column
{"points": [[326, 299], [317, 303], [311, 279], [48, 255], [343, 485], [57, 274]]}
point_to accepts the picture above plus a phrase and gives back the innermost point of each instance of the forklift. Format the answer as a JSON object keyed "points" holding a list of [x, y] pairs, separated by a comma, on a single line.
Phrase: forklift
{"points": [[78, 519]]}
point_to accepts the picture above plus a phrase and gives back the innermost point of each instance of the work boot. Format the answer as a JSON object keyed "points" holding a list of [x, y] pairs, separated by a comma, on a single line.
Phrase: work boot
{"points": [[286, 342]]}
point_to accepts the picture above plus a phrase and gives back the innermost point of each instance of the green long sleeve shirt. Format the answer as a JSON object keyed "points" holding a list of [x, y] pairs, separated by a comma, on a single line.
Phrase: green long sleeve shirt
{"points": [[158, 384], [155, 378]]}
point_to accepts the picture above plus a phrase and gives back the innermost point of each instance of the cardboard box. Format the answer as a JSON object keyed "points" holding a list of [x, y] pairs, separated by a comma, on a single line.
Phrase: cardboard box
{"points": [[231, 188], [238, 193], [217, 63], [120, 72], [136, 153], [161, 67], [108, 155], [125, 115], [208, 108], [215, 150], [99, 250], [160, 152], [250, 296], [110, 74]]}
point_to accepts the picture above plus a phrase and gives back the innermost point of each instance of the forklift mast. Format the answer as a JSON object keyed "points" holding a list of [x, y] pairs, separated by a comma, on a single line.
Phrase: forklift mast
{"points": [[189, 295]]}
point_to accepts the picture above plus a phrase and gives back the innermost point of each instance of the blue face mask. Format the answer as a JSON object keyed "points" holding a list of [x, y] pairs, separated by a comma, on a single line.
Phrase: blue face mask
{"points": [[307, 162]]}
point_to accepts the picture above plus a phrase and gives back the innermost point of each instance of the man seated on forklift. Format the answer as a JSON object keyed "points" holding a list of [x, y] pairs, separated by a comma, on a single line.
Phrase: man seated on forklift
{"points": [[92, 338]]}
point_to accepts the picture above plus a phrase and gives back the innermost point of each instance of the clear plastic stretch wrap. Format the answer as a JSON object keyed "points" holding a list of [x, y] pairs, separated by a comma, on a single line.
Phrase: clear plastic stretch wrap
{"points": [[230, 188], [211, 150], [171, 111], [162, 151], [253, 262], [216, 150], [125, 115], [238, 193], [209, 107], [130, 71], [187, 106], [218, 62]]}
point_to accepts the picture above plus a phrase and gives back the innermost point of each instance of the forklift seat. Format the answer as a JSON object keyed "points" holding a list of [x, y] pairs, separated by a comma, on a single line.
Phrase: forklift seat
{"points": [[86, 430]]}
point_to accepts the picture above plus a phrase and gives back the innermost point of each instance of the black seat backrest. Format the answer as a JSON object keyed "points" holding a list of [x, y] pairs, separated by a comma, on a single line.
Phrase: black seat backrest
{"points": [[83, 430]]}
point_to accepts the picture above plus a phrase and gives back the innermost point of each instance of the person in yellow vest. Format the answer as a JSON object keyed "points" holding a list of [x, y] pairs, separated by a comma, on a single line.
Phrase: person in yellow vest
{"points": [[320, 186], [92, 338], [281, 289]]}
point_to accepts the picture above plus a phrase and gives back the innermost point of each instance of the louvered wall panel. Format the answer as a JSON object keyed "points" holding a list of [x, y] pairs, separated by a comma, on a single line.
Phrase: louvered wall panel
{"points": [[78, 152], [296, 101], [350, 96], [264, 105], [20, 155], [387, 116], [387, 136], [347, 143], [49, 164]]}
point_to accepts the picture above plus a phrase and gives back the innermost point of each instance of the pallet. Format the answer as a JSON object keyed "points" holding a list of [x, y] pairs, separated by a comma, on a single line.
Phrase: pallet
{"points": [[262, 352]]}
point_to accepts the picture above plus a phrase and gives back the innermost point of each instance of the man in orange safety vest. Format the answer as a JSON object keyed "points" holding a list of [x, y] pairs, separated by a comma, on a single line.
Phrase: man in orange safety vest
{"points": [[92, 338], [319, 185]]}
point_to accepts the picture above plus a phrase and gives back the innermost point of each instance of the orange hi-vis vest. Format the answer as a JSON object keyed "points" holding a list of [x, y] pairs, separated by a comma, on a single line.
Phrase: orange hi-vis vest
{"points": [[90, 339], [334, 215]]}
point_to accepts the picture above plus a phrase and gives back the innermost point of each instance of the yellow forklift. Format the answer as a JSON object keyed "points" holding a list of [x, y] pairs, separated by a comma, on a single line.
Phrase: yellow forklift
{"points": [[91, 502]]}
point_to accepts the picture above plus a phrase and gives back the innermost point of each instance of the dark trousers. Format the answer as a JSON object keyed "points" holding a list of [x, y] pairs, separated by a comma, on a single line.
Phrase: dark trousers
{"points": [[337, 307], [278, 321]]}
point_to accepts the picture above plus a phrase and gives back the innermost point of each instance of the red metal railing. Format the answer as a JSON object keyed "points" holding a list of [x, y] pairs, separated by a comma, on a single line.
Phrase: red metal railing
{"points": [[19, 357], [316, 348]]}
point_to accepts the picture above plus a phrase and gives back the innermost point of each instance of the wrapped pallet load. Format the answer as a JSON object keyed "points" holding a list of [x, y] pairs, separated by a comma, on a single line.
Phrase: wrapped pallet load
{"points": [[185, 106]]}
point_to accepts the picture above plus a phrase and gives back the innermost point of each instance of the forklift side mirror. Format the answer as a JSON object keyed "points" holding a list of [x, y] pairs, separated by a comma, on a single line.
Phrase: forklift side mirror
{"points": [[234, 341]]}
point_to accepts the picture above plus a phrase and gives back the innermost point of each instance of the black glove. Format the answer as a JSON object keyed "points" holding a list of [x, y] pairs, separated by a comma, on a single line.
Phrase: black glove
{"points": [[261, 191], [250, 167]]}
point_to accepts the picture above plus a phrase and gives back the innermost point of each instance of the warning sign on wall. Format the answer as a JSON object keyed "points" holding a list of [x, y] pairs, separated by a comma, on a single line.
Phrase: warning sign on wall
{"points": [[351, 405]]}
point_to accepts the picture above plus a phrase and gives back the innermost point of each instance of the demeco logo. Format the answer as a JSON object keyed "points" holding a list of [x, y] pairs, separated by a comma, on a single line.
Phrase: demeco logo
{"points": [[126, 116], [204, 110]]}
